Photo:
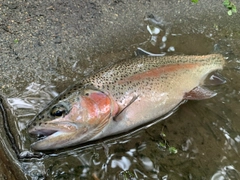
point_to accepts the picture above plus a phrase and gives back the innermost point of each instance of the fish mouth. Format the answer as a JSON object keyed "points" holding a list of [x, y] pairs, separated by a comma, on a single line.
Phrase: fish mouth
{"points": [[54, 135], [43, 133]]}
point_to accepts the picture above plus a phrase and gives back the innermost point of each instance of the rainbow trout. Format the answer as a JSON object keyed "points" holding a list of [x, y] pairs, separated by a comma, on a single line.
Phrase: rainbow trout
{"points": [[122, 97]]}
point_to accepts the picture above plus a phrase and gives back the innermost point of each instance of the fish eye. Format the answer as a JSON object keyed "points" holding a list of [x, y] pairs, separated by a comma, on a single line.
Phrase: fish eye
{"points": [[59, 110]]}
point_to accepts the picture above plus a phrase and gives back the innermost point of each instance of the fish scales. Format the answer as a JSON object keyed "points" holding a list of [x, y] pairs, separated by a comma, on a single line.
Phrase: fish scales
{"points": [[107, 79], [138, 91]]}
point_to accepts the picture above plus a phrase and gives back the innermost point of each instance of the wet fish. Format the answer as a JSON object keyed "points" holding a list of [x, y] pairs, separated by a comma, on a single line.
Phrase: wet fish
{"points": [[122, 97]]}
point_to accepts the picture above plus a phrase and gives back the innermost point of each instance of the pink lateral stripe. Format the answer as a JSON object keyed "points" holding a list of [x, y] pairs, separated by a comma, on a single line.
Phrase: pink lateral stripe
{"points": [[156, 72]]}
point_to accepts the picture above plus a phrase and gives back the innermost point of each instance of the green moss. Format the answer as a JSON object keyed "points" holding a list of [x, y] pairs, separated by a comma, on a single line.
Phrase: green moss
{"points": [[15, 41], [194, 1], [230, 6]]}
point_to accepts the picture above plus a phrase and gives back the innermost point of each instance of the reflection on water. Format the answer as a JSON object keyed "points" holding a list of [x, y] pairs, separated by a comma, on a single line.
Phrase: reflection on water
{"points": [[227, 172], [205, 133], [25, 106], [230, 142], [35, 169], [123, 163]]}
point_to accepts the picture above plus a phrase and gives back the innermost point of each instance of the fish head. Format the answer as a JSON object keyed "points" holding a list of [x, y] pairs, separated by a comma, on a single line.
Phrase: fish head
{"points": [[73, 120]]}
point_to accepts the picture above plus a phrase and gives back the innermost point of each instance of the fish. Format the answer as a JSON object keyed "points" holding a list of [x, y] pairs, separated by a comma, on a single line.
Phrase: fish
{"points": [[121, 97]]}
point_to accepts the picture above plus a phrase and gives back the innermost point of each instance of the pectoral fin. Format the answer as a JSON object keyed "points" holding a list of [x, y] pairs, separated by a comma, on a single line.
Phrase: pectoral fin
{"points": [[199, 93], [132, 100]]}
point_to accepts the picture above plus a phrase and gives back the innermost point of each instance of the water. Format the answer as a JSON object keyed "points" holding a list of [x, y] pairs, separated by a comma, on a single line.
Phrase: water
{"points": [[206, 134]]}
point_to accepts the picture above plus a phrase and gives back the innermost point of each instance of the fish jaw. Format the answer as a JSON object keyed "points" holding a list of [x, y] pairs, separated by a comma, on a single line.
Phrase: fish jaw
{"points": [[87, 117], [56, 134]]}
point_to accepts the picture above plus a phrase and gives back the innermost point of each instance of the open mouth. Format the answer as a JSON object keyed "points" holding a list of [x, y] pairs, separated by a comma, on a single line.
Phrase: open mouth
{"points": [[52, 129], [52, 135], [45, 137], [44, 133]]}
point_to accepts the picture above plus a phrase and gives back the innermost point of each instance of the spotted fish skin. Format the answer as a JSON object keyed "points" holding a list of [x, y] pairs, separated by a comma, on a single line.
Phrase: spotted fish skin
{"points": [[156, 84]]}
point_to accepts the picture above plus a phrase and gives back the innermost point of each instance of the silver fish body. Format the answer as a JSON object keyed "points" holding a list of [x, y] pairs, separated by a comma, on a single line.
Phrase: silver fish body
{"points": [[132, 92]]}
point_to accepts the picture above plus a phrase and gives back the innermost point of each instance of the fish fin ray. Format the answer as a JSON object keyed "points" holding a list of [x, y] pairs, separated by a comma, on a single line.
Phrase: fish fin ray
{"points": [[215, 79], [199, 93], [132, 101]]}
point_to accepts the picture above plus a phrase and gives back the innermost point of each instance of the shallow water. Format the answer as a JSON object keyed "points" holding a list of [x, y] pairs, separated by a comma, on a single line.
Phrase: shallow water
{"points": [[205, 133]]}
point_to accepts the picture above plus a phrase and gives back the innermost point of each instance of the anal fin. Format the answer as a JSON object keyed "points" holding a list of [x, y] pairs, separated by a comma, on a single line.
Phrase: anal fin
{"points": [[199, 93]]}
